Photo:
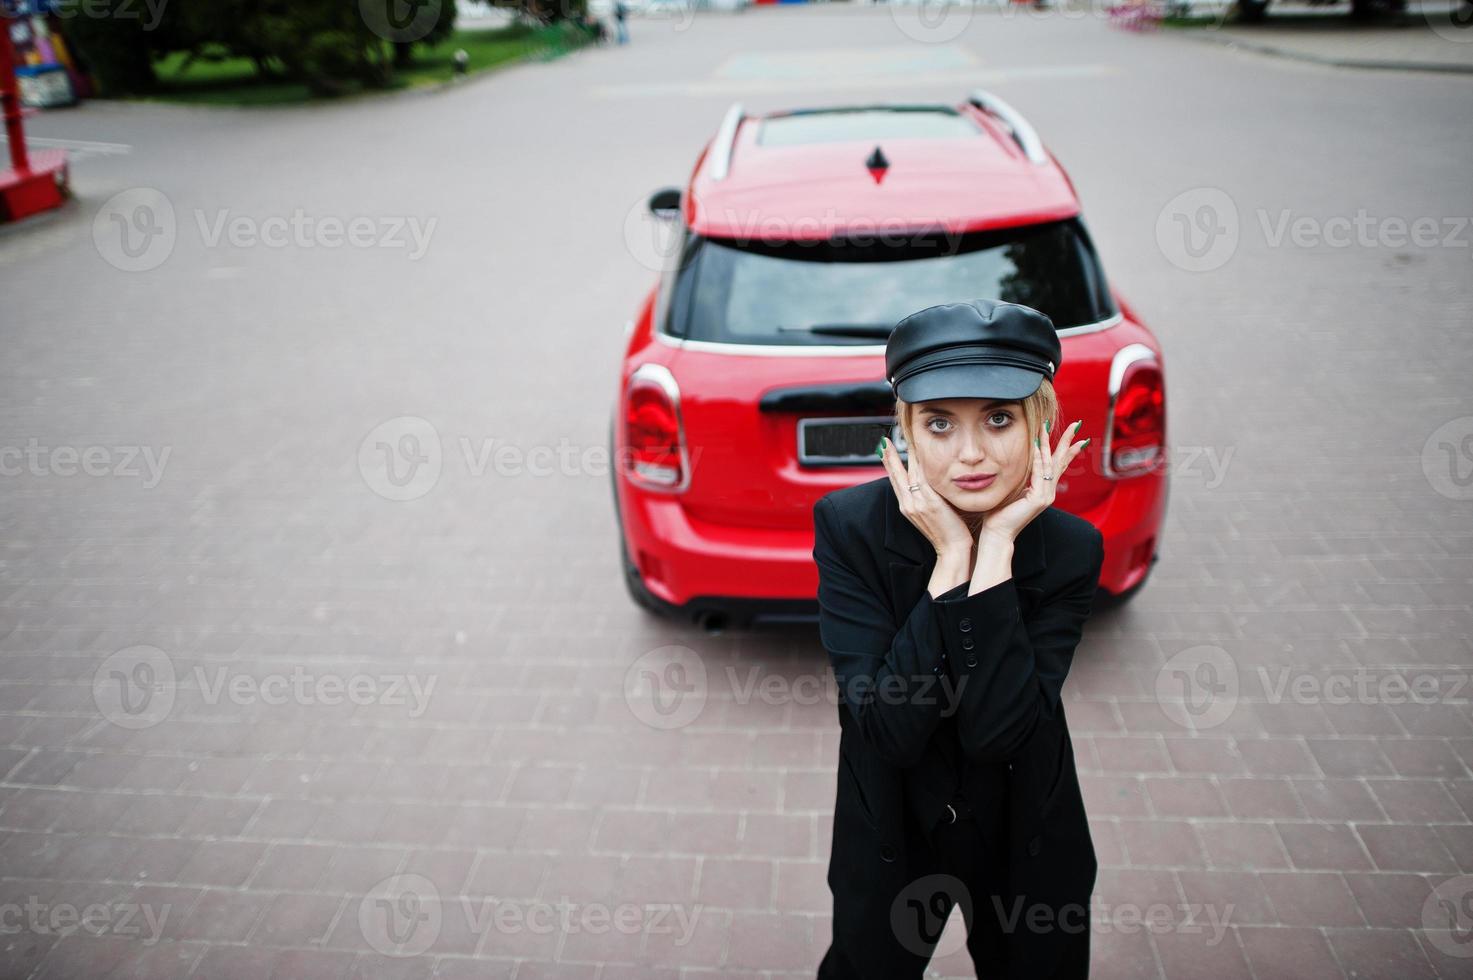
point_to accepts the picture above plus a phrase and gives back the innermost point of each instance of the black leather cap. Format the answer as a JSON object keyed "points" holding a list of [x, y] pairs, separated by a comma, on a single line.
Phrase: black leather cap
{"points": [[983, 348]]}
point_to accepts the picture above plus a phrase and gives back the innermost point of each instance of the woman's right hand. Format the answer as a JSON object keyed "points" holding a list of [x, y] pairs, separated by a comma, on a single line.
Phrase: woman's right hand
{"points": [[925, 508]]}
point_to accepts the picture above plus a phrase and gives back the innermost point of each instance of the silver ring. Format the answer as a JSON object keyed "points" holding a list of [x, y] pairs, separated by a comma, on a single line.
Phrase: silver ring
{"points": [[915, 486], [1048, 478]]}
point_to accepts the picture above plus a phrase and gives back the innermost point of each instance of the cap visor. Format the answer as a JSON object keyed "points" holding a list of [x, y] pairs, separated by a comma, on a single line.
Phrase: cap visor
{"points": [[969, 381]]}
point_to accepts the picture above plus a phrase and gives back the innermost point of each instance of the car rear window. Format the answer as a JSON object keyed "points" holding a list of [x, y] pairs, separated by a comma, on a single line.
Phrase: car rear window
{"points": [[851, 291], [835, 125]]}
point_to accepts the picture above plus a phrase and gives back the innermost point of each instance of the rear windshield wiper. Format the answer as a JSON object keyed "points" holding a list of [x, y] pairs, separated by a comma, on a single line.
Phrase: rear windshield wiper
{"points": [[845, 329]]}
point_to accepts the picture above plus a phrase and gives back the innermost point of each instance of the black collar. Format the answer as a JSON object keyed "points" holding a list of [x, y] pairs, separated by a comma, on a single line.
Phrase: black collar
{"points": [[905, 539]]}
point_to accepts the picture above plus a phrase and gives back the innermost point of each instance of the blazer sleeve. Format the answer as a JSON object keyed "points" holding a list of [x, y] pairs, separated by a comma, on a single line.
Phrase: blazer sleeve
{"points": [[1012, 676], [890, 680]]}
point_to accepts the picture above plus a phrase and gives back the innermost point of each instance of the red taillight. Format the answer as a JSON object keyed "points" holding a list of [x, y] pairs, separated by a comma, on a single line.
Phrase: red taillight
{"points": [[654, 442], [1137, 435]]}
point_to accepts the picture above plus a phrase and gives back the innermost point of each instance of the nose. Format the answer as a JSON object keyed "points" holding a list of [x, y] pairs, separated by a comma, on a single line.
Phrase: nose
{"points": [[973, 449]]}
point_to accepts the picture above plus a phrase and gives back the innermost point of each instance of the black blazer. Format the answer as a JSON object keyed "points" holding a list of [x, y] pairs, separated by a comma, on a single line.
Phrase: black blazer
{"points": [[1007, 651]]}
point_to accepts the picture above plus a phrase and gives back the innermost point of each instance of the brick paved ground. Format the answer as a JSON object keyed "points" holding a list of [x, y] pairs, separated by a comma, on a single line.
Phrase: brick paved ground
{"points": [[220, 790]]}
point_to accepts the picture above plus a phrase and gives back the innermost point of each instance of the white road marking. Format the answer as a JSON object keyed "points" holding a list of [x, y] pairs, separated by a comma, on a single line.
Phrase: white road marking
{"points": [[76, 149]]}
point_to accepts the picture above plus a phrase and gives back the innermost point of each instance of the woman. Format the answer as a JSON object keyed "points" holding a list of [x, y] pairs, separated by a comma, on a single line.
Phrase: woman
{"points": [[951, 597]]}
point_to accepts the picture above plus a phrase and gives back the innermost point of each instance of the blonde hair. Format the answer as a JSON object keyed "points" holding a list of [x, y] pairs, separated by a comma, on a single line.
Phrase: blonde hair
{"points": [[1042, 404]]}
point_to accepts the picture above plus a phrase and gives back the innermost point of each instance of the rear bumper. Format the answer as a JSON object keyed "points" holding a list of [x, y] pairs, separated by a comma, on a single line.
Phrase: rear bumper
{"points": [[692, 569]]}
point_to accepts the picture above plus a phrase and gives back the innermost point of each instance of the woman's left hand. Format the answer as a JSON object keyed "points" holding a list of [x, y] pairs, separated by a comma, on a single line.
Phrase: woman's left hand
{"points": [[1005, 522]]}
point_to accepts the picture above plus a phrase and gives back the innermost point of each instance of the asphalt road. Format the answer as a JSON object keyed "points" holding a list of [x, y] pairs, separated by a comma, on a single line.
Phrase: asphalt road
{"points": [[269, 707]]}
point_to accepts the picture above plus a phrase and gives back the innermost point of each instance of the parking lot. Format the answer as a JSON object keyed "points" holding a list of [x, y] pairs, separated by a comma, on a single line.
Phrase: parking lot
{"points": [[314, 654]]}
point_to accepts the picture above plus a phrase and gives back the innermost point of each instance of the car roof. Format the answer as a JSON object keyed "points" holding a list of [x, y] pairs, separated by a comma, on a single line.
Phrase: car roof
{"points": [[802, 174]]}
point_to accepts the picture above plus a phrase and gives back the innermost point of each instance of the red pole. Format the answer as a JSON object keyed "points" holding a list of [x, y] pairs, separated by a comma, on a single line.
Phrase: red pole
{"points": [[10, 98]]}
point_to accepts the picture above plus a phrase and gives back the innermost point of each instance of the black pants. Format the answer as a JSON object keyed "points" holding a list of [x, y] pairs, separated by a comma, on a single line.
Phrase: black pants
{"points": [[971, 854]]}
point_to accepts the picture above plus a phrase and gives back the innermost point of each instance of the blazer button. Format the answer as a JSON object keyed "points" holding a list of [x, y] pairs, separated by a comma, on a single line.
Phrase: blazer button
{"points": [[971, 661], [1034, 845], [965, 626], [967, 643], [887, 853]]}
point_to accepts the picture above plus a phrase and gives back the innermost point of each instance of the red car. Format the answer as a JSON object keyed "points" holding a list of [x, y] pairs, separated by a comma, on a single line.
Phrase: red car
{"points": [[754, 378]]}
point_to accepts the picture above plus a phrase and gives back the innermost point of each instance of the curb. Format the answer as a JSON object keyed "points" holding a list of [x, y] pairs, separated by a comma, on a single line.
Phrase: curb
{"points": [[1441, 67]]}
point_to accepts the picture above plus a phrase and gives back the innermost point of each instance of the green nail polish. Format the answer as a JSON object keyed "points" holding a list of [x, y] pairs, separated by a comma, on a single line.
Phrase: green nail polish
{"points": [[1083, 444], [1046, 427], [1037, 442]]}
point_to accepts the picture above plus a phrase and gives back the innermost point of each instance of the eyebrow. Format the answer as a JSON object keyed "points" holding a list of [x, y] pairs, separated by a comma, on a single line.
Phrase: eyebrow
{"points": [[991, 402]]}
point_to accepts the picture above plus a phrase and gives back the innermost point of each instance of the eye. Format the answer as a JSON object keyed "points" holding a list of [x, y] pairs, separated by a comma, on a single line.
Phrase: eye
{"points": [[1006, 418], [930, 424]]}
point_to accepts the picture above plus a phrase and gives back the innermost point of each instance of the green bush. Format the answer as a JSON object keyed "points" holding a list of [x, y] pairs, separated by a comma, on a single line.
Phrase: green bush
{"points": [[328, 45]]}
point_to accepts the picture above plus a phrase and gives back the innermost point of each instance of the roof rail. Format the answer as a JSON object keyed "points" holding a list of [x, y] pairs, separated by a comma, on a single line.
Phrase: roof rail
{"points": [[1023, 132], [725, 139]]}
